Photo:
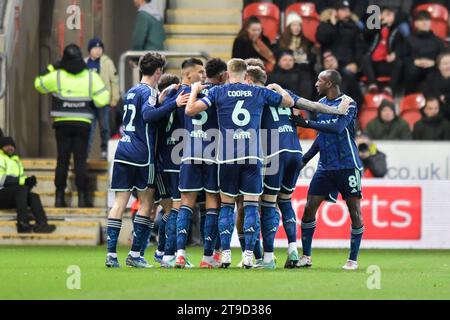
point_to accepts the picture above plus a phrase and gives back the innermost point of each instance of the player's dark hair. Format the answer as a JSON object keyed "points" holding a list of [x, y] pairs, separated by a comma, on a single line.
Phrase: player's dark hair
{"points": [[257, 75], [255, 62], [150, 62], [422, 15], [191, 62], [167, 80], [215, 67], [334, 77]]}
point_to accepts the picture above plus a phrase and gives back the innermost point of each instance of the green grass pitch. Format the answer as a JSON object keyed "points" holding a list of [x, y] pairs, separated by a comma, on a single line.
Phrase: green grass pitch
{"points": [[41, 273]]}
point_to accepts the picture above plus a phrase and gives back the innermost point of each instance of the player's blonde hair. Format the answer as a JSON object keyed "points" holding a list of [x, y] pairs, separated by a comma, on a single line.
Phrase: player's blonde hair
{"points": [[257, 75], [237, 67]]}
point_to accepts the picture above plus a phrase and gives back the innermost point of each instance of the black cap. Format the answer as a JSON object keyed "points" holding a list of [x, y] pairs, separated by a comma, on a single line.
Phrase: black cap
{"points": [[7, 141], [342, 4]]}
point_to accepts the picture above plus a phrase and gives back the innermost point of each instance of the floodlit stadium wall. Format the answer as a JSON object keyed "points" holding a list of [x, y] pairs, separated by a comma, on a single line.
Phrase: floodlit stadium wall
{"points": [[409, 209]]}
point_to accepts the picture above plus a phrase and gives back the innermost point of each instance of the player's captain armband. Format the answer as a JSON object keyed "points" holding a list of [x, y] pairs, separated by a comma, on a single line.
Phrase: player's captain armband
{"points": [[206, 101]]}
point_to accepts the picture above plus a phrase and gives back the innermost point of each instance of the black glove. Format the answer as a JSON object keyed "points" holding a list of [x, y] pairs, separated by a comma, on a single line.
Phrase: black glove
{"points": [[300, 121], [31, 182]]}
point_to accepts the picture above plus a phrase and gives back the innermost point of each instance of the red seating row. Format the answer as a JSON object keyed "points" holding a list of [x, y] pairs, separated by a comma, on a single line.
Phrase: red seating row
{"points": [[409, 108], [270, 17]]}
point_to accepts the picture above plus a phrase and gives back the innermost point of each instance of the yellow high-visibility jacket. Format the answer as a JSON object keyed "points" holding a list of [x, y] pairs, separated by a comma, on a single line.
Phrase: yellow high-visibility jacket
{"points": [[74, 95], [11, 166]]}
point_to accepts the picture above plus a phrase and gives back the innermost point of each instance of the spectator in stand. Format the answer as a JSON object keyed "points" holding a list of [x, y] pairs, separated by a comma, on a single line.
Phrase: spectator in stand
{"points": [[292, 76], [374, 161], [339, 34], [384, 55], [103, 65], [358, 8], [433, 126], [15, 191], [149, 34], [349, 85], [293, 39], [437, 83], [402, 10], [252, 43], [421, 50], [282, 4], [388, 125]]}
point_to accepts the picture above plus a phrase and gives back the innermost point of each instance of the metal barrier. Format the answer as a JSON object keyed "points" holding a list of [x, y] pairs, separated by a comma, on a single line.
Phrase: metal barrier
{"points": [[136, 54]]}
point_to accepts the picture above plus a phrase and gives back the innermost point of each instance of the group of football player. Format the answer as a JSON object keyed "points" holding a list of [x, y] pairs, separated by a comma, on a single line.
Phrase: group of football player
{"points": [[222, 142]]}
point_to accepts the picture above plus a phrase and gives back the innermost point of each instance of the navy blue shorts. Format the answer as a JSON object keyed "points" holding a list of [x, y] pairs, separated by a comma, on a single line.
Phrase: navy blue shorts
{"points": [[287, 166], [196, 177], [126, 177], [347, 182], [172, 183], [241, 179], [161, 186]]}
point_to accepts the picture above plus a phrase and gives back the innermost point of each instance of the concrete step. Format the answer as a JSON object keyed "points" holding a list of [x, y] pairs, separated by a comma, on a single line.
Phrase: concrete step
{"points": [[205, 4], [98, 182], [174, 30], [211, 45], [66, 233], [50, 165], [203, 16], [99, 199], [63, 213]]}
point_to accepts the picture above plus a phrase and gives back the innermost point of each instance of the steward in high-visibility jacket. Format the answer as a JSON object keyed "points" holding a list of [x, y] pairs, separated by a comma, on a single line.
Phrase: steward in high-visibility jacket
{"points": [[76, 92], [15, 191]]}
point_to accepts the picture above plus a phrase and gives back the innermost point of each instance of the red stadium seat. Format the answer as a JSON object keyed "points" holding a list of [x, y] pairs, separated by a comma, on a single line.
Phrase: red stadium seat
{"points": [[269, 15], [373, 101], [439, 18], [311, 20], [366, 115], [411, 116], [415, 101]]}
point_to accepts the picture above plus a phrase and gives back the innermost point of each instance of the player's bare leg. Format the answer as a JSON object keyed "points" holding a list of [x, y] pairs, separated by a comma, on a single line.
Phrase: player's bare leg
{"points": [[308, 227], [188, 202], [114, 226], [226, 228], [212, 205], [354, 207]]}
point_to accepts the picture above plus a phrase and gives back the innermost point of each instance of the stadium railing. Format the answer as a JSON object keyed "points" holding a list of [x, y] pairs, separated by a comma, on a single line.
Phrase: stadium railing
{"points": [[137, 54]]}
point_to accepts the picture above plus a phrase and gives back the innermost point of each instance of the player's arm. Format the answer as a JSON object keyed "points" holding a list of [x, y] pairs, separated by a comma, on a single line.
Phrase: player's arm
{"points": [[287, 101], [312, 152], [305, 104], [194, 105], [151, 113], [337, 126]]}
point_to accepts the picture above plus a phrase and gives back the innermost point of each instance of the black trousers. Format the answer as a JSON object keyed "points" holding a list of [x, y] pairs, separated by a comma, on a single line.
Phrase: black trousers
{"points": [[21, 198], [72, 139], [373, 70], [414, 77]]}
